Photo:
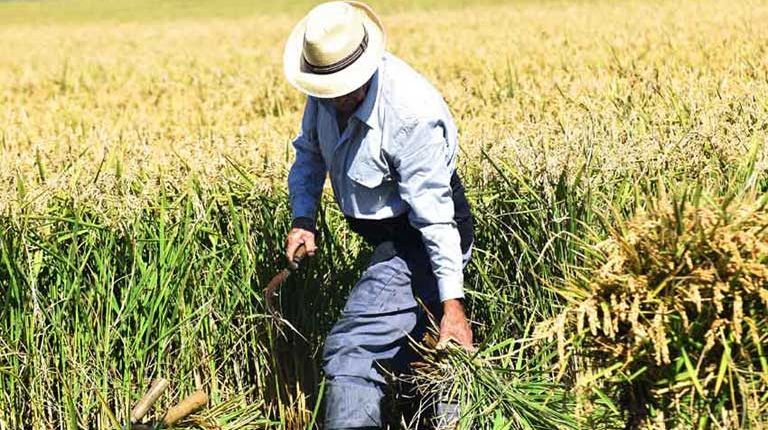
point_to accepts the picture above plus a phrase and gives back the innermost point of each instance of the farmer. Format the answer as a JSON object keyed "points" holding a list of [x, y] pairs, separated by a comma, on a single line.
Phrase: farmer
{"points": [[386, 138]]}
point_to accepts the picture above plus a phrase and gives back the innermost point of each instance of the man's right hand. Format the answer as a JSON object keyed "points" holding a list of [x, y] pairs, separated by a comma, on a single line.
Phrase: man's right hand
{"points": [[295, 238]]}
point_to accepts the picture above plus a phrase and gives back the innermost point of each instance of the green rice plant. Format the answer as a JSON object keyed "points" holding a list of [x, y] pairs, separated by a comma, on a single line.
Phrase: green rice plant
{"points": [[171, 294]]}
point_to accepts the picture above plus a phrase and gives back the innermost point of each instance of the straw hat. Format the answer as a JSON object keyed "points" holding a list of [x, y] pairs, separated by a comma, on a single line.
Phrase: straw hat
{"points": [[335, 49]]}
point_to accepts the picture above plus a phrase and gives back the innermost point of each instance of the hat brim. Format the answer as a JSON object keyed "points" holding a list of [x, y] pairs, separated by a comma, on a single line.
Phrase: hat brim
{"points": [[344, 81]]}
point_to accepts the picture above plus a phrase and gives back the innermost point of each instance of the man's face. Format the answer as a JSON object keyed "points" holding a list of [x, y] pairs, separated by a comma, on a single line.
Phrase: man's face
{"points": [[347, 103]]}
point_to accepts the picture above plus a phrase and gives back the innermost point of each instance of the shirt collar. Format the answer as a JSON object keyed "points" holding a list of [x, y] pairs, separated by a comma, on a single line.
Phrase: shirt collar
{"points": [[367, 112]]}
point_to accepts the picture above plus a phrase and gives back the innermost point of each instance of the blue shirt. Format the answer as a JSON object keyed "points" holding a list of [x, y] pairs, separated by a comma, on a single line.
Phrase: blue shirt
{"points": [[396, 155]]}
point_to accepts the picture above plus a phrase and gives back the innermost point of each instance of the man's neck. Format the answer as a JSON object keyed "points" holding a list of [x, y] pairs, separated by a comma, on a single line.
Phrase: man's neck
{"points": [[342, 119]]}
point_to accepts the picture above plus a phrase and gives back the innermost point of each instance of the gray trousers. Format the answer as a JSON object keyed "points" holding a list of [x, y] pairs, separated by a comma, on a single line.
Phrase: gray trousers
{"points": [[379, 315]]}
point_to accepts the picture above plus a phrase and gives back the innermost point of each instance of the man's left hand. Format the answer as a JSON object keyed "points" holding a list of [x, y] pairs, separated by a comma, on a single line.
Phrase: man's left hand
{"points": [[454, 326]]}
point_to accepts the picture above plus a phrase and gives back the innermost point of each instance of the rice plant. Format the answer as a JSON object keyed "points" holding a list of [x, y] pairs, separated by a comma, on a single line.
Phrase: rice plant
{"points": [[673, 315]]}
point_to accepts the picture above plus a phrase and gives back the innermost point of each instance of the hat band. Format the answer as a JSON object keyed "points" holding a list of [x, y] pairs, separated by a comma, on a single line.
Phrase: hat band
{"points": [[340, 65]]}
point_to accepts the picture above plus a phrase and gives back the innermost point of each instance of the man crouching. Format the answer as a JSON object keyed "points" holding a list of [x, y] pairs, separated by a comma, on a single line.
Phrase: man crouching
{"points": [[387, 140]]}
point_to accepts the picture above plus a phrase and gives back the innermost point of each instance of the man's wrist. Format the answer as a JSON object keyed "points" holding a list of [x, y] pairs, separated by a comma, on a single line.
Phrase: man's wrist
{"points": [[304, 223], [453, 306]]}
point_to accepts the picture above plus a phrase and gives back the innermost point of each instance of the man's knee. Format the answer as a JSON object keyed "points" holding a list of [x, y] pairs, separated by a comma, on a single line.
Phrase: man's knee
{"points": [[380, 313]]}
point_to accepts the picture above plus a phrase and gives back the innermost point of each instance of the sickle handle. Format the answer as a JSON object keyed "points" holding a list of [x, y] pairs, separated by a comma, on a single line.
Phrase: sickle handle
{"points": [[194, 402], [146, 402], [298, 256]]}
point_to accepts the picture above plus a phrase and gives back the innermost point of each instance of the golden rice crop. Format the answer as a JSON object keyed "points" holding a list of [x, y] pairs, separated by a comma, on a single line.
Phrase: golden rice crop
{"points": [[628, 86], [678, 301]]}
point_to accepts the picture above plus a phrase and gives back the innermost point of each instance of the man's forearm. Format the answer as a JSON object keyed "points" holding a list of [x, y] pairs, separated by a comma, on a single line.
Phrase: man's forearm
{"points": [[444, 248], [305, 186]]}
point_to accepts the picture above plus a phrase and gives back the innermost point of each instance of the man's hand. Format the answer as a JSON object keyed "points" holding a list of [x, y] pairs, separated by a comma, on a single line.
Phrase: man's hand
{"points": [[454, 326], [295, 238]]}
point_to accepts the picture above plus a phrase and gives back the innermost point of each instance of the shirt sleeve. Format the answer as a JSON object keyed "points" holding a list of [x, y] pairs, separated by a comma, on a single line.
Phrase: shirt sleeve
{"points": [[424, 169], [307, 175]]}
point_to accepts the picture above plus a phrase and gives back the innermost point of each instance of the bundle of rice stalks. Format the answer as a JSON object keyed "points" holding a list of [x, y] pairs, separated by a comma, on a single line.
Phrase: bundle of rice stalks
{"points": [[506, 386], [674, 313]]}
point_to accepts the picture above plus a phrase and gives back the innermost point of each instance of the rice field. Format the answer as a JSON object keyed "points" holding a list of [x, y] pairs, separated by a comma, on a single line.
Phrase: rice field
{"points": [[615, 155]]}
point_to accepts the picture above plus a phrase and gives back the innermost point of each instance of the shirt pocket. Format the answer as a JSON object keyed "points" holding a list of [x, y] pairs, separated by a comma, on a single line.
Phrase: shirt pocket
{"points": [[368, 168], [367, 174]]}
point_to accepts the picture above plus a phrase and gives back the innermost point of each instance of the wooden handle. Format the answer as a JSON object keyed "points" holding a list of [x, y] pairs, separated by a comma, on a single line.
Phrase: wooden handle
{"points": [[191, 404], [146, 402], [298, 256]]}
